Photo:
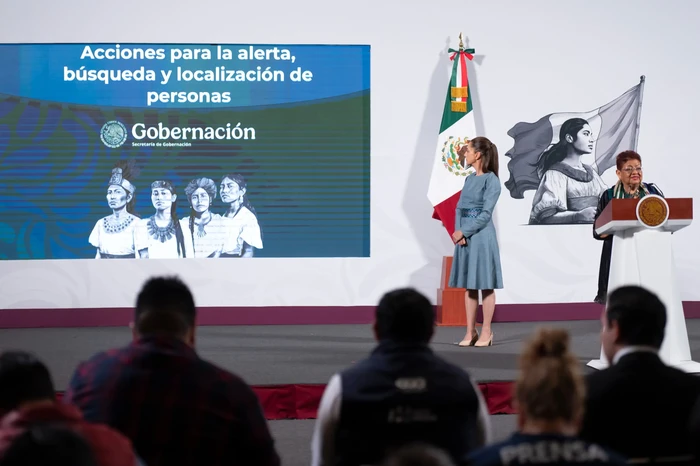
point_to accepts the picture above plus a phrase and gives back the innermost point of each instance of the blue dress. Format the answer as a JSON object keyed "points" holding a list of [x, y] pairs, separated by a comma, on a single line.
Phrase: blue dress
{"points": [[477, 266]]}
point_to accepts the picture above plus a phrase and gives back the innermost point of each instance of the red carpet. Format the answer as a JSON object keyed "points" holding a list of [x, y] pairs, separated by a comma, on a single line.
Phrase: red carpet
{"points": [[300, 401]]}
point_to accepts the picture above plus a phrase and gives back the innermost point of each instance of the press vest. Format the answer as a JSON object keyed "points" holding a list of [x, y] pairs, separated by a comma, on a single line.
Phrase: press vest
{"points": [[401, 394], [549, 449]]}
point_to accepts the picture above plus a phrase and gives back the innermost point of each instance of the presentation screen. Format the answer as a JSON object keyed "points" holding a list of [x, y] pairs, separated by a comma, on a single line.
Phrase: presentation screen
{"points": [[177, 151]]}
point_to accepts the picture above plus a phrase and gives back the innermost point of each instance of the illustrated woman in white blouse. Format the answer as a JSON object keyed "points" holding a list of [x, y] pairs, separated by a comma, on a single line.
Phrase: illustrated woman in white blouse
{"points": [[233, 189], [162, 232], [206, 234], [569, 189], [113, 236]]}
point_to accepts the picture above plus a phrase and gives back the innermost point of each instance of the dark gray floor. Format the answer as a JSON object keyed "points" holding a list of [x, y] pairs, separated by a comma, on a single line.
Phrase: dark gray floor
{"points": [[309, 353]]}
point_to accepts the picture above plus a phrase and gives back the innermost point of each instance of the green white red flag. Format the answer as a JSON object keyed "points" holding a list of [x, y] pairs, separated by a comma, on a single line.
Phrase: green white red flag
{"points": [[456, 129]]}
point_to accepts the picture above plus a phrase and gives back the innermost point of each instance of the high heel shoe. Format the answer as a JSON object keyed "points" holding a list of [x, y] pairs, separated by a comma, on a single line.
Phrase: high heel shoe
{"points": [[473, 341], [483, 345]]}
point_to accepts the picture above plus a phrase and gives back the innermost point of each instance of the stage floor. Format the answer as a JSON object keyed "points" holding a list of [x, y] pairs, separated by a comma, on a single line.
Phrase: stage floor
{"points": [[307, 354]]}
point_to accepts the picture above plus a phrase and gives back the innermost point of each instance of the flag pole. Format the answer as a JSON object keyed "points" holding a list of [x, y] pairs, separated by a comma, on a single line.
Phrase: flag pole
{"points": [[642, 79]]}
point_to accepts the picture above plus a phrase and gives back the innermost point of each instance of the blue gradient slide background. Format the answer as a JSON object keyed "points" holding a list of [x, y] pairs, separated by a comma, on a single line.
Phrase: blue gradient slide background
{"points": [[308, 169]]}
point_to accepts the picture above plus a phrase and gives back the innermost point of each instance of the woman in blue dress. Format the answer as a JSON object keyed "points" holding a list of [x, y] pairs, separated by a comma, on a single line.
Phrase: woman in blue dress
{"points": [[476, 265]]}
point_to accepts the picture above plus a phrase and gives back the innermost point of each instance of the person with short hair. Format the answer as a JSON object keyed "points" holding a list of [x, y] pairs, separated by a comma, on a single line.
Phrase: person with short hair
{"points": [[549, 395], [28, 398], [638, 406], [175, 407], [401, 394], [629, 186]]}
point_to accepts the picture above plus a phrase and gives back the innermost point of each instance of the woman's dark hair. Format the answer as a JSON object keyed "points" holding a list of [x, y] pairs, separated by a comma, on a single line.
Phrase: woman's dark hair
{"points": [[207, 185], [242, 184], [558, 151], [550, 386], [173, 215], [489, 153], [626, 156]]}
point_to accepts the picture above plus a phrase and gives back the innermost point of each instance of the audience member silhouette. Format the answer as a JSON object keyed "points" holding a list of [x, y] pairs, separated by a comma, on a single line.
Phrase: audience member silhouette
{"points": [[176, 408], [638, 406], [401, 394]]}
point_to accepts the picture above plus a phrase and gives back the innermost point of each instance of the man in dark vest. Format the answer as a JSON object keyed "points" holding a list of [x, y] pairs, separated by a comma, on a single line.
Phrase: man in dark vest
{"points": [[402, 393]]}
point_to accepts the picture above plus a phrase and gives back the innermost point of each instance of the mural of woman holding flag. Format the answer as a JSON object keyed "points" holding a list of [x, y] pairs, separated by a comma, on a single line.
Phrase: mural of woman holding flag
{"points": [[562, 157], [569, 189]]}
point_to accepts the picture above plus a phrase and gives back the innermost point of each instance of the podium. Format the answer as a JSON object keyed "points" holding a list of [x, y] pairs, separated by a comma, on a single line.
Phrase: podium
{"points": [[642, 255]]}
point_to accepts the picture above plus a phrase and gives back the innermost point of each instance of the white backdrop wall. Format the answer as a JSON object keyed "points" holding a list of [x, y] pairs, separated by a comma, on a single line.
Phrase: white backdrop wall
{"points": [[532, 58]]}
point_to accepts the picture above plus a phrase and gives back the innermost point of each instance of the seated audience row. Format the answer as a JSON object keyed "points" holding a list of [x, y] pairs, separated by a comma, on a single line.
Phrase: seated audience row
{"points": [[156, 402]]}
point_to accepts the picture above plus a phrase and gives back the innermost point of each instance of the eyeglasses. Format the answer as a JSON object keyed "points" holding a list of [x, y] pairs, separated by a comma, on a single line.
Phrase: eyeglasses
{"points": [[632, 169]]}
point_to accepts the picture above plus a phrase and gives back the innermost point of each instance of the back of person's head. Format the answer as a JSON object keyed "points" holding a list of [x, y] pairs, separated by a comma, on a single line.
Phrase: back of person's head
{"points": [[418, 454], [634, 316], [165, 306], [49, 445], [404, 316], [23, 378], [550, 387]]}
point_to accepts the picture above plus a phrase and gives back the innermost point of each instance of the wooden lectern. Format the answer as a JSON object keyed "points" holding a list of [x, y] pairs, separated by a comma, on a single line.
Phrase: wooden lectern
{"points": [[642, 255]]}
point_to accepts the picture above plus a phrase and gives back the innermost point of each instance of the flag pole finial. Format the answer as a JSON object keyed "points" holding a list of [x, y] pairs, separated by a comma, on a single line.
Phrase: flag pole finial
{"points": [[461, 44]]}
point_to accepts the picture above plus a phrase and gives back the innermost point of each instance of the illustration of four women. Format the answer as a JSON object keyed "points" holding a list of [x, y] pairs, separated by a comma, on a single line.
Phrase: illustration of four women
{"points": [[202, 234]]}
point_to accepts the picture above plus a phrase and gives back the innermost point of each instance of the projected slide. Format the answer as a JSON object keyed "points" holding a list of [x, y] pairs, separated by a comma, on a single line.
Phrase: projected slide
{"points": [[178, 151]]}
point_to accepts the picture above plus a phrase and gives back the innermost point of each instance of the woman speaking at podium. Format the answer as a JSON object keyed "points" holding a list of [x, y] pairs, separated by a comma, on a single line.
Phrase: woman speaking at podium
{"points": [[477, 264], [628, 186]]}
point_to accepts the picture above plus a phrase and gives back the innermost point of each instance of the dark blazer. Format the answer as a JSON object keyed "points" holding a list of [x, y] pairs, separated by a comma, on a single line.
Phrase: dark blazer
{"points": [[606, 253], [640, 407], [695, 426]]}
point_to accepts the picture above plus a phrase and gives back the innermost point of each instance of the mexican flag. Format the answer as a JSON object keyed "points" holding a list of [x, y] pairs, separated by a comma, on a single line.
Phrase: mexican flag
{"points": [[456, 129]]}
